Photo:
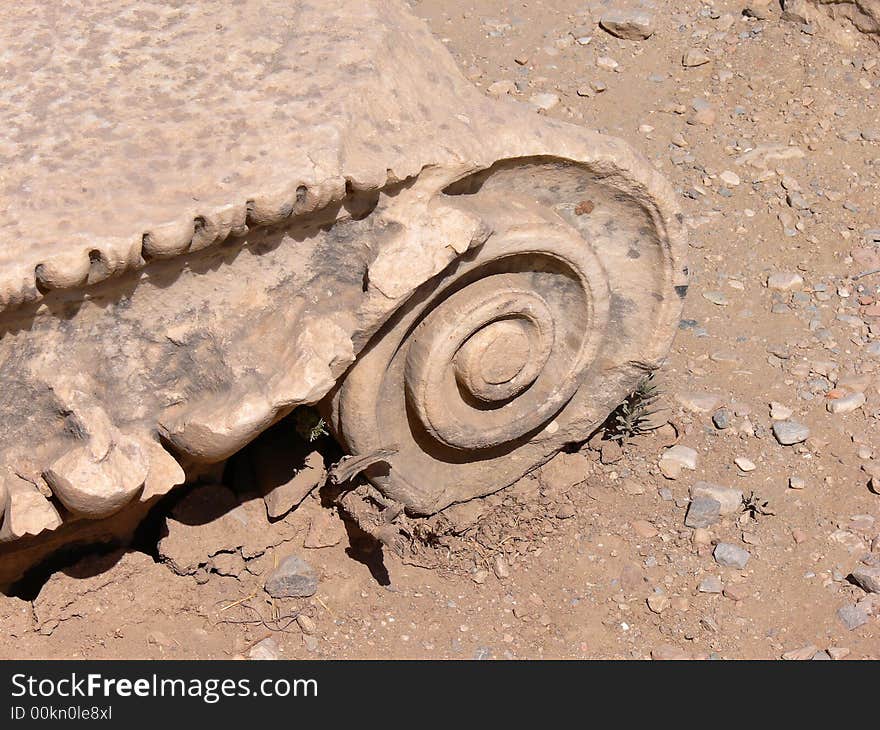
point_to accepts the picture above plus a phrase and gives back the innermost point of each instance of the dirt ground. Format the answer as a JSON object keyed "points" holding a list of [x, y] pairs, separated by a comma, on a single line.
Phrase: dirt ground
{"points": [[773, 142]]}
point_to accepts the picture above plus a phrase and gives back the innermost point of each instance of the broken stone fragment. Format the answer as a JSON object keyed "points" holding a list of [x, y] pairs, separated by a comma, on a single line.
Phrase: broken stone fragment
{"points": [[867, 577], [698, 402], [780, 412], [731, 556], [805, 653], [729, 499], [27, 511], [288, 482], [668, 652], [265, 650], [785, 281], [852, 615], [164, 472], [293, 578], [702, 512], [544, 101], [693, 58], [790, 432], [676, 458], [628, 23]]}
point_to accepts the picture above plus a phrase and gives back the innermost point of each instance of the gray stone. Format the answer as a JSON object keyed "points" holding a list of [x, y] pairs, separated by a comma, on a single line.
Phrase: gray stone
{"points": [[790, 432], [852, 616], [710, 584], [702, 512], [294, 578], [731, 556], [721, 419], [867, 577]]}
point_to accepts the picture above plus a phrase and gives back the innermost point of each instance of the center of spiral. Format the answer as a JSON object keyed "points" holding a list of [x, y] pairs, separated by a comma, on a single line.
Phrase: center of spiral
{"points": [[494, 355]]}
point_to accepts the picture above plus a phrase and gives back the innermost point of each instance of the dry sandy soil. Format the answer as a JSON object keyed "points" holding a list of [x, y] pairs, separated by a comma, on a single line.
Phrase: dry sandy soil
{"points": [[773, 142]]}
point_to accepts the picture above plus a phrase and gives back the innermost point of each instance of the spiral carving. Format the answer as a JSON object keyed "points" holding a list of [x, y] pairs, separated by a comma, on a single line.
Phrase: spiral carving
{"points": [[478, 365], [486, 366]]}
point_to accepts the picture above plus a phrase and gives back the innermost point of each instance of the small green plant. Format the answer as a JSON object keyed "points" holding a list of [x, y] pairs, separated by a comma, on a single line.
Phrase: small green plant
{"points": [[308, 424], [632, 417]]}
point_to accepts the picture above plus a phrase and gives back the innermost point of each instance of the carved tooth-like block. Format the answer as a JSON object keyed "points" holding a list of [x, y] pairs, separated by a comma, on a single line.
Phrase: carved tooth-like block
{"points": [[25, 510], [164, 472], [98, 482]]}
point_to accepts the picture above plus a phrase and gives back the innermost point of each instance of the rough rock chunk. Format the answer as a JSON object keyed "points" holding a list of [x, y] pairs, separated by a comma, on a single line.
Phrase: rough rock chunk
{"points": [[293, 578], [729, 499], [698, 402], [265, 650], [789, 432], [101, 476], [544, 101], [864, 15], [693, 58], [702, 512], [785, 281], [731, 556], [628, 23], [867, 577], [676, 458], [852, 615], [286, 481]]}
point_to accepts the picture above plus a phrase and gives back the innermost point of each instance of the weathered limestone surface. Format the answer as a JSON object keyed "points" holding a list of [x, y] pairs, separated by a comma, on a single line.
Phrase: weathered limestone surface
{"points": [[210, 209]]}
